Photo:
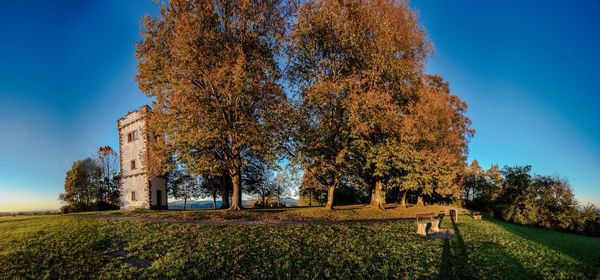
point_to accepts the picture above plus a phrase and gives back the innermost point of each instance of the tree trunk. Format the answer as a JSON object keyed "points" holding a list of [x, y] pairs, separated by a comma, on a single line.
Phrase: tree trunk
{"points": [[236, 200], [330, 193], [310, 199], [279, 200], [420, 201], [403, 200], [214, 196], [378, 196], [184, 203], [225, 192]]}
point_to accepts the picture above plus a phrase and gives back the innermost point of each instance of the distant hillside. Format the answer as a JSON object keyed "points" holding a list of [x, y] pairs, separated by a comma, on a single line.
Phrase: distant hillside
{"points": [[195, 204], [207, 204], [33, 212]]}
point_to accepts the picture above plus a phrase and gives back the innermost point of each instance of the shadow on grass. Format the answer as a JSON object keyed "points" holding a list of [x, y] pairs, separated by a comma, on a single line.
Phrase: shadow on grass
{"points": [[583, 249], [441, 215], [456, 262], [446, 264], [454, 258]]}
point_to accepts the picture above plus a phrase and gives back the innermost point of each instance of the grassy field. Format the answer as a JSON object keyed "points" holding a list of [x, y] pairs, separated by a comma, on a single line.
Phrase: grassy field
{"points": [[300, 214], [102, 247]]}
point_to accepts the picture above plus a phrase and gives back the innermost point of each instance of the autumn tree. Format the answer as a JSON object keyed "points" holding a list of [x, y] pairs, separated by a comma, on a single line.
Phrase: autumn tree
{"points": [[357, 65], [312, 190], [434, 144], [320, 68], [387, 81], [212, 69]]}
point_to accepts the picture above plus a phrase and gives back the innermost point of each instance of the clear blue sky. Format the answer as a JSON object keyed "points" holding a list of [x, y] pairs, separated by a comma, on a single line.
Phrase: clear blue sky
{"points": [[528, 70]]}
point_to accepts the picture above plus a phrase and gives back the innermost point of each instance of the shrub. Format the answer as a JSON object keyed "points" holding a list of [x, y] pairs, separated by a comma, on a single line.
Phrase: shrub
{"points": [[514, 195], [83, 207]]}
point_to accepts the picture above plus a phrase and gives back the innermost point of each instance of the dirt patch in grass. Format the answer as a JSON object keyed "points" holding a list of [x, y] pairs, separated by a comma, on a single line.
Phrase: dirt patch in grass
{"points": [[122, 256]]}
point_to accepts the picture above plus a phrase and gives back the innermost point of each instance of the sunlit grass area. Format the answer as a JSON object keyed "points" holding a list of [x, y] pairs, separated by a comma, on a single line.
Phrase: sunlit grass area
{"points": [[342, 213], [79, 247]]}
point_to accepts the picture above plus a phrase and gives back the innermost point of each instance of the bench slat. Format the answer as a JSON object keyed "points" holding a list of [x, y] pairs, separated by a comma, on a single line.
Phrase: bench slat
{"points": [[424, 215], [427, 221]]}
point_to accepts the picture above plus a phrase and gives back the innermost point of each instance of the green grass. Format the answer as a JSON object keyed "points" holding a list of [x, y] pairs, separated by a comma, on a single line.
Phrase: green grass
{"points": [[76, 247], [353, 212]]}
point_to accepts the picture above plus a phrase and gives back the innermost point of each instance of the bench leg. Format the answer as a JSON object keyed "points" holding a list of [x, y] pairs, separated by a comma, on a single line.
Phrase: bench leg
{"points": [[435, 226], [421, 227]]}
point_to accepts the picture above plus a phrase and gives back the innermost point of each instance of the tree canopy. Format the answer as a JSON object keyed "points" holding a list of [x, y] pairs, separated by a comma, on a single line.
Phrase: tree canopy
{"points": [[92, 183], [359, 109], [211, 68], [514, 194], [368, 108]]}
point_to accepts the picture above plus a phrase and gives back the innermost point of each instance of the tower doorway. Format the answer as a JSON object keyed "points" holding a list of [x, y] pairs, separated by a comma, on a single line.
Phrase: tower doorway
{"points": [[159, 199]]}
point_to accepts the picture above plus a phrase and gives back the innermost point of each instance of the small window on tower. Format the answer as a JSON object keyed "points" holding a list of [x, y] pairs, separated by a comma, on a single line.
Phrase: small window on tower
{"points": [[132, 136], [132, 164], [132, 196]]}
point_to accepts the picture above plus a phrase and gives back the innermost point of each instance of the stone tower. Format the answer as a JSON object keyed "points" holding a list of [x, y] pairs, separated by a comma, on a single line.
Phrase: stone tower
{"points": [[137, 189]]}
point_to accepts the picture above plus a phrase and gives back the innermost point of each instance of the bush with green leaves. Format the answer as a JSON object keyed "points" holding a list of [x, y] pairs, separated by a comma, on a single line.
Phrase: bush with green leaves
{"points": [[91, 186], [514, 194]]}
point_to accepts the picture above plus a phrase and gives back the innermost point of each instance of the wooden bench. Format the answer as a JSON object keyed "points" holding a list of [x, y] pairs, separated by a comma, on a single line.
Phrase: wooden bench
{"points": [[476, 215], [423, 220]]}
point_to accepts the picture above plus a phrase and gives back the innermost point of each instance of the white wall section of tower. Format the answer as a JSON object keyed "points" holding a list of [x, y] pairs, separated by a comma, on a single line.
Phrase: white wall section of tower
{"points": [[137, 190]]}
